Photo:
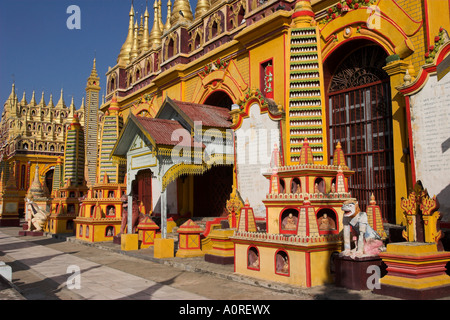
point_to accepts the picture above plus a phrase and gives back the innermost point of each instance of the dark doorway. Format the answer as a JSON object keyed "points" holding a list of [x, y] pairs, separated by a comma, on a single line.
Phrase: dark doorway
{"points": [[142, 189], [219, 99], [360, 118], [211, 192], [49, 180]]}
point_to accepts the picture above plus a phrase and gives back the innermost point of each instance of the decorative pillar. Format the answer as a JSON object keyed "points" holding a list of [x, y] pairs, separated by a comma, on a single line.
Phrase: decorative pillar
{"points": [[402, 181]]}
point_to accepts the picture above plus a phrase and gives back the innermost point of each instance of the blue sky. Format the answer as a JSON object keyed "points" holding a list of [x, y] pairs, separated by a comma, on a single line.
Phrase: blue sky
{"points": [[38, 52]]}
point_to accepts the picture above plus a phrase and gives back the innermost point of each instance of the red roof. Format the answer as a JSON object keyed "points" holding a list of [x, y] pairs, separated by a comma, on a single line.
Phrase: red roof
{"points": [[210, 116], [161, 131]]}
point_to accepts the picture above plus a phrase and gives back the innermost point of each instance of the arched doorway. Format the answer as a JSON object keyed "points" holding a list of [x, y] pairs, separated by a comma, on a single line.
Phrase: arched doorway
{"points": [[359, 116], [219, 99], [49, 180]]}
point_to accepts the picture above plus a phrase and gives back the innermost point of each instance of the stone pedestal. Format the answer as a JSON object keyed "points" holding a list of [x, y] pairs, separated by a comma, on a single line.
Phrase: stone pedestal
{"points": [[415, 270], [222, 251], [129, 242], [353, 273], [163, 248]]}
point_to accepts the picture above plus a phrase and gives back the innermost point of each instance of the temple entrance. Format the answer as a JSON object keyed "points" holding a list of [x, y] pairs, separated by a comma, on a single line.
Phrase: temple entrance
{"points": [[211, 192], [142, 190], [205, 195], [360, 118], [49, 180]]}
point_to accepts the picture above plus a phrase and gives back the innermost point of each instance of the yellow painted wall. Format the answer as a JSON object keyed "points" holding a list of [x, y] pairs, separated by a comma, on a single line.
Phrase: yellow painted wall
{"points": [[267, 265], [263, 53]]}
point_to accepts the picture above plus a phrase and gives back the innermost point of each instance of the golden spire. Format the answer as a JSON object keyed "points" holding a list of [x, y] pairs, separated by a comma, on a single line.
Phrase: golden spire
{"points": [[24, 102], [93, 79], [42, 102], [145, 40], [155, 35], [161, 24], [202, 7], [50, 103], [61, 103], [72, 108], [135, 49], [181, 12], [167, 26], [12, 99], [141, 27], [124, 55], [33, 102]]}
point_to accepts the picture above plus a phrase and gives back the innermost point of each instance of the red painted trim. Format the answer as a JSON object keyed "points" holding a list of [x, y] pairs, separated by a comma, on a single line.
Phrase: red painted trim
{"points": [[259, 259], [279, 219], [303, 13], [261, 74], [442, 55], [289, 263], [411, 144], [308, 269], [351, 39], [210, 223], [267, 219], [336, 221]]}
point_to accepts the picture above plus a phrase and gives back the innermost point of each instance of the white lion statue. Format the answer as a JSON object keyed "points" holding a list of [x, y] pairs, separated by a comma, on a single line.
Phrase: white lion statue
{"points": [[368, 242]]}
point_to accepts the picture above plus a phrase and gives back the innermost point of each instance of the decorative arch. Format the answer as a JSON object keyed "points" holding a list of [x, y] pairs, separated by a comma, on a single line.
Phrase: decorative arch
{"points": [[237, 12], [219, 75], [171, 46], [215, 25], [196, 40], [146, 106], [112, 82], [148, 66], [393, 36]]}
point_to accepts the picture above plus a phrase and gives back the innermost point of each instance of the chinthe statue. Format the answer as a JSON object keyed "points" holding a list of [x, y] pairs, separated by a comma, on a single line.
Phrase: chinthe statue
{"points": [[37, 217], [368, 242]]}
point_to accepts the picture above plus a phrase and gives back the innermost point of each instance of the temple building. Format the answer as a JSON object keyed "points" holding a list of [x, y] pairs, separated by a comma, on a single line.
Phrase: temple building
{"points": [[333, 79], [32, 136]]}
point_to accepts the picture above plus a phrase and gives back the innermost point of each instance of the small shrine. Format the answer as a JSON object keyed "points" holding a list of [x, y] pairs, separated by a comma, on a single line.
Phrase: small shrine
{"points": [[65, 205], [147, 232], [37, 205], [189, 244], [304, 222], [100, 217], [416, 269]]}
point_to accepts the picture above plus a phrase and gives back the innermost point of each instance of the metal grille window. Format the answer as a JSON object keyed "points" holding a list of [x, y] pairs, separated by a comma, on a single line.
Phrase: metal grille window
{"points": [[360, 118]]}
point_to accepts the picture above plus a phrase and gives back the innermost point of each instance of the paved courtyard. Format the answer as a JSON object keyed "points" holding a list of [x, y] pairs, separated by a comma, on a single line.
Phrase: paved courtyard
{"points": [[46, 268]]}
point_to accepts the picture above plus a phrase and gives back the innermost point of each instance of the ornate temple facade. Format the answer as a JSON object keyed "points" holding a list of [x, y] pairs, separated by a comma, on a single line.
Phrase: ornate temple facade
{"points": [[332, 80], [33, 136]]}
